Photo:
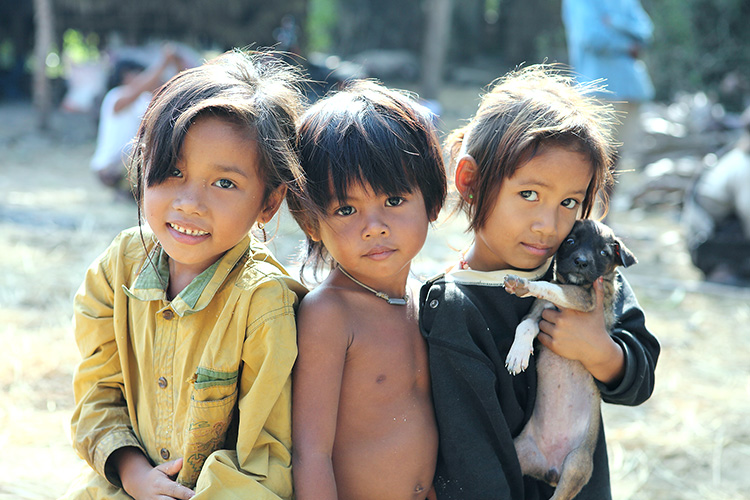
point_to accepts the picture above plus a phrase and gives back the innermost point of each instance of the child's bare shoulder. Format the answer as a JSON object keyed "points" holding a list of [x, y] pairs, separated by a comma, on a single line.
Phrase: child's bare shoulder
{"points": [[324, 312]]}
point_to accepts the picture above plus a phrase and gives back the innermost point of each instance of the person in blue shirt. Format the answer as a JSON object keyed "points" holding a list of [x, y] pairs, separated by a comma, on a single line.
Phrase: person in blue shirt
{"points": [[606, 40]]}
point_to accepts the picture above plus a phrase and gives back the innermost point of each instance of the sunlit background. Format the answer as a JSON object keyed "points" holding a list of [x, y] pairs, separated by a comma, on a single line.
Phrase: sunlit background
{"points": [[690, 441]]}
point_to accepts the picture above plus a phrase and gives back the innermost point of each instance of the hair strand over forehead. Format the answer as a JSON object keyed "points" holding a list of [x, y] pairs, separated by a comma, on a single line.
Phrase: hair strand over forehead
{"points": [[524, 112], [370, 136], [255, 92]]}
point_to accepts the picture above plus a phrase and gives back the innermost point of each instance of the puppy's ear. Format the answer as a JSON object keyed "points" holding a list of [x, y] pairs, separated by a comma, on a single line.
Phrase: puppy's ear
{"points": [[625, 257]]}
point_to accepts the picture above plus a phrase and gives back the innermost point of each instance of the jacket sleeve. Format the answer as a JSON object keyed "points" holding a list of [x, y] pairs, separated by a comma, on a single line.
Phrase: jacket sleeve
{"points": [[100, 423], [260, 466], [586, 25], [640, 347], [631, 20]]}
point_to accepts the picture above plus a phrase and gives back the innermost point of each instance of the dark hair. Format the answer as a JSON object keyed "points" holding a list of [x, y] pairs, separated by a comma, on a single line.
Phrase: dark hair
{"points": [[254, 91], [522, 113], [367, 135], [121, 68]]}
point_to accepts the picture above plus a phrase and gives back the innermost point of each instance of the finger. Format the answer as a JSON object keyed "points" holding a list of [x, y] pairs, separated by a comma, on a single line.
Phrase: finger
{"points": [[170, 468], [550, 315], [545, 339], [546, 327], [182, 492], [168, 489], [173, 497]]}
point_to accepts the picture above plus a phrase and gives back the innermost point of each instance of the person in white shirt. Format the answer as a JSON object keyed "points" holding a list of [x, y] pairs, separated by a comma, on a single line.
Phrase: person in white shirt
{"points": [[121, 112], [716, 216]]}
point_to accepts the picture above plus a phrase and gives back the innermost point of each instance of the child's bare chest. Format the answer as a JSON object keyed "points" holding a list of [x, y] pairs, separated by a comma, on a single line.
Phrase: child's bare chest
{"points": [[386, 361]]}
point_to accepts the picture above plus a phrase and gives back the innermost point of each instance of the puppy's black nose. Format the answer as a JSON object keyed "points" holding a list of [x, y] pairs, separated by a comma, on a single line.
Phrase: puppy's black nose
{"points": [[581, 262]]}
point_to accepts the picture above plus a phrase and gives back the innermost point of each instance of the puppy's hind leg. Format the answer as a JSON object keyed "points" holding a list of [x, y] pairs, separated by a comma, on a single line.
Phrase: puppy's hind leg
{"points": [[533, 462], [579, 463], [576, 472]]}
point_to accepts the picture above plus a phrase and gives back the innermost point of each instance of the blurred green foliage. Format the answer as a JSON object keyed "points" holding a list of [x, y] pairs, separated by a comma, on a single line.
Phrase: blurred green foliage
{"points": [[322, 16], [701, 45], [78, 47]]}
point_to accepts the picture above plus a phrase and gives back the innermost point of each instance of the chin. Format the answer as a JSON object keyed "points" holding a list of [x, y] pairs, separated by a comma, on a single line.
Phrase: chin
{"points": [[530, 266], [574, 279]]}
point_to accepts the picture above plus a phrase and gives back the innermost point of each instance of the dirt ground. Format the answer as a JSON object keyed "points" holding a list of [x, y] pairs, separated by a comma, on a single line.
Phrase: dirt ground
{"points": [[689, 441]]}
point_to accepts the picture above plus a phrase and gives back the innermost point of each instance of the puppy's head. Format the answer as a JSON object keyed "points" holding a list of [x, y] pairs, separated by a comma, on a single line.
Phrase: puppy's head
{"points": [[590, 250]]}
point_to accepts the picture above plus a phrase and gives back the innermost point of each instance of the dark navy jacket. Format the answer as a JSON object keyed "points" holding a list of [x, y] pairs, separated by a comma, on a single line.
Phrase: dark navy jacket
{"points": [[480, 407]]}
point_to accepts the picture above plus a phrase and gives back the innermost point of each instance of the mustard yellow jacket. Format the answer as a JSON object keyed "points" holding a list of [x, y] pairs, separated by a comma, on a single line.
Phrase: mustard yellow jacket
{"points": [[205, 377]]}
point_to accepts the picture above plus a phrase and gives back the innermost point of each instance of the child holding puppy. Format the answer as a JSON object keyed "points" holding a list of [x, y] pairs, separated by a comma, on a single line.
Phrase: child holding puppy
{"points": [[528, 164]]}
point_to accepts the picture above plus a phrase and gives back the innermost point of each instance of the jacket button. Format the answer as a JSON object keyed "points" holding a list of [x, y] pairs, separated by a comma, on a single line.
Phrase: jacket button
{"points": [[168, 315], [162, 382], [164, 453], [434, 303]]}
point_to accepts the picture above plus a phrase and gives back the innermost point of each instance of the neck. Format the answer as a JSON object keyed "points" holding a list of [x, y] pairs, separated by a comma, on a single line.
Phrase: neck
{"points": [[391, 298]]}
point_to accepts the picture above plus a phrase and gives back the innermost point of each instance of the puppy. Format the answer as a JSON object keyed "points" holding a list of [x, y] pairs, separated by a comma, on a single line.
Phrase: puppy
{"points": [[558, 442]]}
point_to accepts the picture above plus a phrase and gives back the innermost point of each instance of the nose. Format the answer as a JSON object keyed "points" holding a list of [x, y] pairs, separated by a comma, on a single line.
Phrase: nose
{"points": [[581, 261], [545, 222], [375, 226], [189, 199]]}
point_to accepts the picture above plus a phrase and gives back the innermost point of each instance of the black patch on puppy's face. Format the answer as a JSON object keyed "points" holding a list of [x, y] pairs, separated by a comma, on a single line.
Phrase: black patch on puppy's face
{"points": [[590, 250]]}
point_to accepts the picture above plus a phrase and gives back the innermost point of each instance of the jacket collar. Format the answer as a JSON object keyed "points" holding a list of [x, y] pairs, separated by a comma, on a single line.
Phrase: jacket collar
{"points": [[152, 279], [493, 278]]}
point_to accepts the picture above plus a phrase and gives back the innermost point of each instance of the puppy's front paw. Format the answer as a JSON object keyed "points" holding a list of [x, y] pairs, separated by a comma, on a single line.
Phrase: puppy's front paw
{"points": [[518, 358], [516, 285], [523, 346]]}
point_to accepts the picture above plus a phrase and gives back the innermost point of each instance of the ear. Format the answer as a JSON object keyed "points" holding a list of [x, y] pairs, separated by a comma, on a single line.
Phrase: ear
{"points": [[313, 234], [625, 257], [311, 228], [467, 172], [273, 202]]}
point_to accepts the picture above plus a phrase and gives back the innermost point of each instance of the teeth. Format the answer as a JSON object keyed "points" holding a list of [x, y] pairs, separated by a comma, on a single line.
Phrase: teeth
{"points": [[189, 232]]}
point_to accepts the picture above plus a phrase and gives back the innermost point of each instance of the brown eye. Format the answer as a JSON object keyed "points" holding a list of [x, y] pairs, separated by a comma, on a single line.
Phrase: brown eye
{"points": [[570, 203], [344, 211], [394, 201], [224, 183]]}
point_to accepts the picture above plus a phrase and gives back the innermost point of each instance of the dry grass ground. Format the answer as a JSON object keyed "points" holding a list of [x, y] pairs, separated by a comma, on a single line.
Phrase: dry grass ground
{"points": [[690, 441]]}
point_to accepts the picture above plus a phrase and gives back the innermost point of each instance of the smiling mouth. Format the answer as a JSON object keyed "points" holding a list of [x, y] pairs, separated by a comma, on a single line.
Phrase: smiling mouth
{"points": [[189, 232]]}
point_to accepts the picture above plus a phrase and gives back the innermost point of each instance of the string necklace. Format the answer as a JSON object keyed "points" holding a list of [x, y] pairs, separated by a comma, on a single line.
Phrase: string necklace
{"points": [[394, 301]]}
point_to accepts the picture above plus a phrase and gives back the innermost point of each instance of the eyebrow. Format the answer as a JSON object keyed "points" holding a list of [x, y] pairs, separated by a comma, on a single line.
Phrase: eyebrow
{"points": [[538, 183], [358, 199], [232, 169]]}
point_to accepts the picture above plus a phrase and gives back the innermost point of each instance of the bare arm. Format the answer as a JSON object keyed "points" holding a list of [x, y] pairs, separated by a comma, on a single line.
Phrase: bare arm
{"points": [[582, 336], [148, 80], [142, 481], [316, 386]]}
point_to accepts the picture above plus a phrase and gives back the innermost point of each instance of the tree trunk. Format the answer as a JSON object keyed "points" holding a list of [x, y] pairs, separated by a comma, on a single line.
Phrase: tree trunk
{"points": [[41, 92], [436, 41]]}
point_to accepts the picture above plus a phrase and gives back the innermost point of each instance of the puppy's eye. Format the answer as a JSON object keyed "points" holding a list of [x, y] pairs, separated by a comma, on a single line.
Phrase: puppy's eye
{"points": [[604, 252], [570, 241]]}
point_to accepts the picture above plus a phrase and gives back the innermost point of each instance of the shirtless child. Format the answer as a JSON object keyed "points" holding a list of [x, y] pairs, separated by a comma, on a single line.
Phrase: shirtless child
{"points": [[363, 422]]}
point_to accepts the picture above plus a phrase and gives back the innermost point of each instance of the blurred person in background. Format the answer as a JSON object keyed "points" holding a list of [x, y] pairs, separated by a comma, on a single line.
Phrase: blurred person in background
{"points": [[606, 39], [131, 85], [716, 216]]}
